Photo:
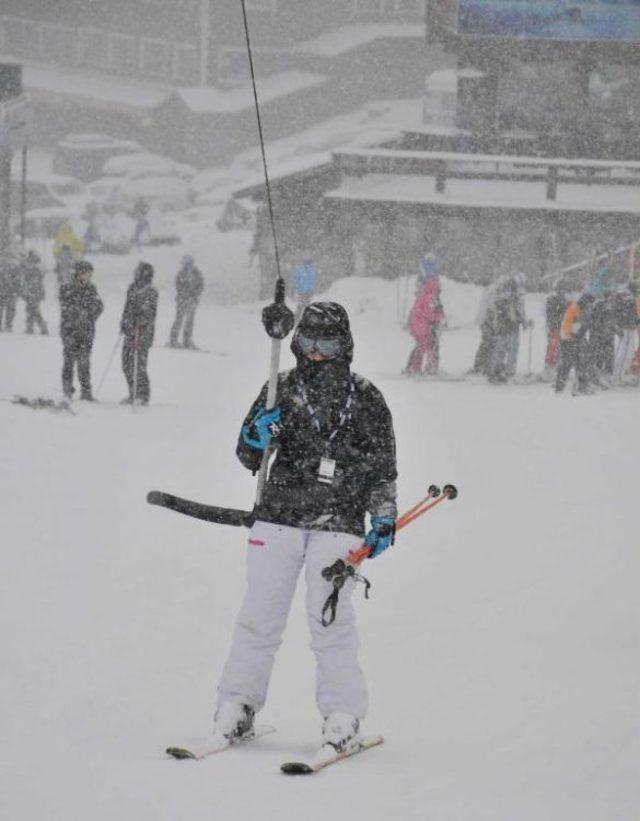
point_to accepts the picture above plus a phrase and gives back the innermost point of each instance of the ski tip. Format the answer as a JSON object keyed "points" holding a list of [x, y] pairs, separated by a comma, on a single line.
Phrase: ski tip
{"points": [[179, 753], [154, 497], [296, 768]]}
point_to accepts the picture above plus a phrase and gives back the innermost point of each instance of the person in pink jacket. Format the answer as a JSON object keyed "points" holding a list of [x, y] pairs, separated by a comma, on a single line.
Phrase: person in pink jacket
{"points": [[425, 318]]}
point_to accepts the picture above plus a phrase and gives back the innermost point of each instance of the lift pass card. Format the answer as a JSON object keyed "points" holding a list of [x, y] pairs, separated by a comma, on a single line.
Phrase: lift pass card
{"points": [[326, 470]]}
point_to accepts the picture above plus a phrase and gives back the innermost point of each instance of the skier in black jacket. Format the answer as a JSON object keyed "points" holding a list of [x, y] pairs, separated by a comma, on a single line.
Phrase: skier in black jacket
{"points": [[80, 306], [33, 293], [138, 325], [335, 461], [189, 287]]}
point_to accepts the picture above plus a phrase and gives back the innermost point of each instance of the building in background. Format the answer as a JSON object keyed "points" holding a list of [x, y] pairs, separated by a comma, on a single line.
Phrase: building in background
{"points": [[128, 69], [528, 158]]}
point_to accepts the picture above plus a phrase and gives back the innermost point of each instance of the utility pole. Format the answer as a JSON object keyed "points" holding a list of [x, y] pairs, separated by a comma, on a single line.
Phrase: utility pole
{"points": [[205, 36], [13, 129]]}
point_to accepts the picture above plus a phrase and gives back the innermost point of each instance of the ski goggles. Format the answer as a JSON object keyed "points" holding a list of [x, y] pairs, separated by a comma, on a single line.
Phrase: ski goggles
{"points": [[325, 347]]}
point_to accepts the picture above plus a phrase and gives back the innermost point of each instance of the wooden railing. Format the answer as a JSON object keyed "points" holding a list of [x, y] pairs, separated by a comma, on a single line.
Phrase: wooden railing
{"points": [[449, 165]]}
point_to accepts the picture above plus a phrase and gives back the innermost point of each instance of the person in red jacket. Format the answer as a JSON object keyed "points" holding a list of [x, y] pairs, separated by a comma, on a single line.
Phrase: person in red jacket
{"points": [[425, 318]]}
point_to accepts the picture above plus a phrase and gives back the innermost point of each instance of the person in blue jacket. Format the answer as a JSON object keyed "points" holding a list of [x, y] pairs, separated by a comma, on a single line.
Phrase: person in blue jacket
{"points": [[304, 279]]}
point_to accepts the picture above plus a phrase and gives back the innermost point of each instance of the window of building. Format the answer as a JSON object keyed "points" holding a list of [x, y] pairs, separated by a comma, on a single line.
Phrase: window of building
{"points": [[93, 48], [156, 57], [233, 66], [58, 44], [410, 8], [123, 54], [21, 37], [185, 63], [375, 8], [263, 6], [414, 9]]}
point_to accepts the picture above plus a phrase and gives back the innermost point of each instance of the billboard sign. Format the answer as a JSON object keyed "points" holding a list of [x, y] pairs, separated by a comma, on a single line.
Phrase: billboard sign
{"points": [[558, 20]]}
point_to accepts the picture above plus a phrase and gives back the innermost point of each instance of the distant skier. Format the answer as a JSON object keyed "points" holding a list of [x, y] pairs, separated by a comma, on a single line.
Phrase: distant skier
{"points": [[138, 326], [303, 280], [80, 307], [555, 308], [33, 292], [507, 317], [140, 216], [602, 340], [425, 319], [335, 461], [484, 318], [68, 248], [574, 344], [189, 287], [626, 315], [64, 265], [10, 288]]}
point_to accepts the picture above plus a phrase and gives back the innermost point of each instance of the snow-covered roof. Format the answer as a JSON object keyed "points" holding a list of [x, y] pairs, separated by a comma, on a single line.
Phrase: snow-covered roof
{"points": [[311, 149], [351, 36], [214, 100], [421, 189], [121, 91], [284, 168], [492, 160]]}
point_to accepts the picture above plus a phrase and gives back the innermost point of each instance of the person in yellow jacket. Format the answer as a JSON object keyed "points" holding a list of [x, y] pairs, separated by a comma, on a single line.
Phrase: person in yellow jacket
{"points": [[67, 236], [574, 344]]}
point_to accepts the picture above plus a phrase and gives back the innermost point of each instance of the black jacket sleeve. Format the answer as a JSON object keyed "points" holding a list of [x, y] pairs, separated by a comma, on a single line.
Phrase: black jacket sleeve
{"points": [[381, 456]]}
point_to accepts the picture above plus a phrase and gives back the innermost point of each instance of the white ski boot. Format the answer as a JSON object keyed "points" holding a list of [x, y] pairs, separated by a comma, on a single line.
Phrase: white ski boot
{"points": [[342, 732], [233, 721]]}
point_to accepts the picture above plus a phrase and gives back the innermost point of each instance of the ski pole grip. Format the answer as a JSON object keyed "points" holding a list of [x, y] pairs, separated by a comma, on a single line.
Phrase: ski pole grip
{"points": [[279, 291]]}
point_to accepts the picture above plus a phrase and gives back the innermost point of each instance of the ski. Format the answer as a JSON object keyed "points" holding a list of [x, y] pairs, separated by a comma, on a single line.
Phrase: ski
{"points": [[198, 510], [327, 756], [192, 348], [442, 376], [41, 403], [215, 743]]}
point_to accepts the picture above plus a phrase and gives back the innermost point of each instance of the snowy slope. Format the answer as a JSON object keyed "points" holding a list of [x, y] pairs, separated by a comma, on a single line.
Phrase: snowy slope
{"points": [[500, 642]]}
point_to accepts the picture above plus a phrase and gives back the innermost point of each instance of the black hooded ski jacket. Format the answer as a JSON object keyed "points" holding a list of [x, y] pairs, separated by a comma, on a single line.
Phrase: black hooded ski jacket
{"points": [[314, 424]]}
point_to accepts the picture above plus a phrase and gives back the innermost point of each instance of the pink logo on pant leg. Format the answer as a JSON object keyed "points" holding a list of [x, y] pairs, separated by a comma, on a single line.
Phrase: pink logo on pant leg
{"points": [[256, 542]]}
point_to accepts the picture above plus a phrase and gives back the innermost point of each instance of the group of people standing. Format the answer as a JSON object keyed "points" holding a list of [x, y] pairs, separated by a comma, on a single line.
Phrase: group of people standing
{"points": [[80, 307], [501, 317], [22, 277], [596, 334]]}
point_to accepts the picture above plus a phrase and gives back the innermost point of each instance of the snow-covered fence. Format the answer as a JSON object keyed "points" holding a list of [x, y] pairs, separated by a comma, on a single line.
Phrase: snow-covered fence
{"points": [[628, 255]]}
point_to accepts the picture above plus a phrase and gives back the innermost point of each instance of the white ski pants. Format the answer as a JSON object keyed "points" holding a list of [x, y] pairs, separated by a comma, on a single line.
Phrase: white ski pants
{"points": [[276, 555]]}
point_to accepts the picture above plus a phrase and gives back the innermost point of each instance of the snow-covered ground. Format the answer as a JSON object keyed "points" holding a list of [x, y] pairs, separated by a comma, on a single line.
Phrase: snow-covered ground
{"points": [[500, 641]]}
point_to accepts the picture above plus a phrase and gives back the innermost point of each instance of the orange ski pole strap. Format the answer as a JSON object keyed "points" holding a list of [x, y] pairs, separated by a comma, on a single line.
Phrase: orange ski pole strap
{"points": [[342, 570]]}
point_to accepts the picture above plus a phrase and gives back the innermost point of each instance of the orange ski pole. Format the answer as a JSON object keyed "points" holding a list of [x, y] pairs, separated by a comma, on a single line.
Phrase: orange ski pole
{"points": [[355, 557]]}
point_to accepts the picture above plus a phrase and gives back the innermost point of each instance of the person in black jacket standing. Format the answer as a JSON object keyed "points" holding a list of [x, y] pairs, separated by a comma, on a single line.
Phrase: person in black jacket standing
{"points": [[80, 307], [33, 292], [335, 462], [189, 286], [138, 325]]}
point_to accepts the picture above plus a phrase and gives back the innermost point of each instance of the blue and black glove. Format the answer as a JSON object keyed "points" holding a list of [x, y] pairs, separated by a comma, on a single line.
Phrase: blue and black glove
{"points": [[258, 433], [382, 534]]}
